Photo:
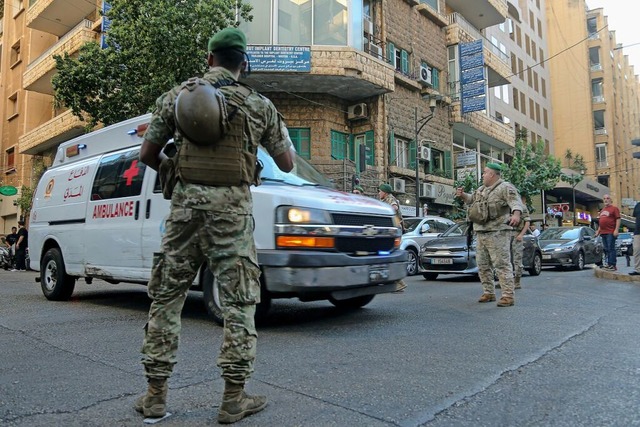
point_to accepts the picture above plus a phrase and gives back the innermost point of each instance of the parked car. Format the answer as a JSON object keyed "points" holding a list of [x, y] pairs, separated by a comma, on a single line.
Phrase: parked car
{"points": [[418, 231], [450, 254], [570, 247], [624, 244]]}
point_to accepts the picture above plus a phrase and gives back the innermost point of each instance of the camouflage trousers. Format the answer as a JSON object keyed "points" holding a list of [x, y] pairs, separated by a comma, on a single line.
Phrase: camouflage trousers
{"points": [[226, 242], [494, 253], [517, 251]]}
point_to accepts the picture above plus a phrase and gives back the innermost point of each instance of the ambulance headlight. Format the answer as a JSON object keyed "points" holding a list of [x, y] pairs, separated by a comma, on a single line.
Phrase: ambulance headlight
{"points": [[296, 215]]}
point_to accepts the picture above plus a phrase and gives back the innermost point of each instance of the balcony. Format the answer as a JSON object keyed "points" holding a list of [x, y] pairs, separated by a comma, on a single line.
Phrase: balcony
{"points": [[57, 16], [39, 72], [50, 134], [602, 164], [344, 72], [481, 13], [432, 13], [480, 125], [459, 30], [600, 131], [597, 99]]}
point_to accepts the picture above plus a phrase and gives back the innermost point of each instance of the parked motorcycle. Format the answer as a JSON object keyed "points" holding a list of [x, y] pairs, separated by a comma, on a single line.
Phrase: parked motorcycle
{"points": [[5, 258]]}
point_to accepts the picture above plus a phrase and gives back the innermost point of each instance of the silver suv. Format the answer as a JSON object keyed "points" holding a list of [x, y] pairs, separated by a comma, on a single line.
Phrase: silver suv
{"points": [[418, 231]]}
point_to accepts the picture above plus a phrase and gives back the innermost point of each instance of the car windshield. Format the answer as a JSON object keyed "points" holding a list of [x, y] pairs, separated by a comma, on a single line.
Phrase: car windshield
{"points": [[560, 234], [303, 173], [410, 224], [625, 236], [459, 229]]}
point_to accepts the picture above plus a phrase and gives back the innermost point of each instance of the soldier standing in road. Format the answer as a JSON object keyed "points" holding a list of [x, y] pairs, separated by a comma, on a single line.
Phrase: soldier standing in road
{"points": [[210, 221], [385, 194], [494, 209], [636, 242], [517, 244]]}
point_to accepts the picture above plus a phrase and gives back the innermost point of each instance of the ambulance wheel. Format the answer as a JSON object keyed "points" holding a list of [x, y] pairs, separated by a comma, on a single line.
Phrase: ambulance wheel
{"points": [[56, 284], [211, 295], [352, 303]]}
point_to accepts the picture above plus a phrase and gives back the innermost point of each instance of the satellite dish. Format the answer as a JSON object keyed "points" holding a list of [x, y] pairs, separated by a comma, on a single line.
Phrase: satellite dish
{"points": [[8, 190]]}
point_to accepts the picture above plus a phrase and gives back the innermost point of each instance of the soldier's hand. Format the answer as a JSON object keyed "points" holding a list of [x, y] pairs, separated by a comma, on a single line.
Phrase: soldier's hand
{"points": [[514, 219], [459, 191]]}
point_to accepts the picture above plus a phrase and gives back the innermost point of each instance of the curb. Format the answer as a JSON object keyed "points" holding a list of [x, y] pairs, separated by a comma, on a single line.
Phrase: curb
{"points": [[620, 276]]}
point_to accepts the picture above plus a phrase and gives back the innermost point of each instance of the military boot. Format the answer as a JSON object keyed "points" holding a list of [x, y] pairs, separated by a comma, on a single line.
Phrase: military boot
{"points": [[236, 404], [154, 403]]}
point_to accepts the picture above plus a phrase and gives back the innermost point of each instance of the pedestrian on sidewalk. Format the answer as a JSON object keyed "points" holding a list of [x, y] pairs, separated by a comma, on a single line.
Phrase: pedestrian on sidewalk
{"points": [[636, 242], [517, 244], [608, 226]]}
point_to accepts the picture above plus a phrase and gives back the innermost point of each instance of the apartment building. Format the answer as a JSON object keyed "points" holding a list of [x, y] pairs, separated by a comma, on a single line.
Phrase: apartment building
{"points": [[381, 76], [595, 101], [32, 127], [370, 90]]}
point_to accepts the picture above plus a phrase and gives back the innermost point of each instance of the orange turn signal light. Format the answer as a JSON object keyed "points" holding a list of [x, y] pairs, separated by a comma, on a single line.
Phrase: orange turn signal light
{"points": [[305, 242], [396, 242]]}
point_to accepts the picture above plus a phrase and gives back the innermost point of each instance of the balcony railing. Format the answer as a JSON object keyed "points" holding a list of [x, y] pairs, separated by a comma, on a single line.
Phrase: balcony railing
{"points": [[456, 18], [600, 131], [602, 164], [597, 99], [596, 67]]}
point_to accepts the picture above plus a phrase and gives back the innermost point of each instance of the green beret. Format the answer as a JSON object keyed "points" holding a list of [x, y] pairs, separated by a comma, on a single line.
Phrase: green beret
{"points": [[495, 166], [229, 38], [386, 188]]}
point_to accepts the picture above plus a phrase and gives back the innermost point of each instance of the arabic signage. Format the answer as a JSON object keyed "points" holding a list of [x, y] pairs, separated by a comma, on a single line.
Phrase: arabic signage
{"points": [[445, 194], [462, 173], [106, 24], [280, 58], [466, 158], [472, 80]]}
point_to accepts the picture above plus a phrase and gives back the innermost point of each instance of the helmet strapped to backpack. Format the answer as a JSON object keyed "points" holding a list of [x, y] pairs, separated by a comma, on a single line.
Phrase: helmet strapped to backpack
{"points": [[201, 112]]}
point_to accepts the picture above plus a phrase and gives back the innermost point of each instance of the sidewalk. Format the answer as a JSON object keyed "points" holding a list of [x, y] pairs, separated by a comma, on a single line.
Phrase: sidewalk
{"points": [[622, 274]]}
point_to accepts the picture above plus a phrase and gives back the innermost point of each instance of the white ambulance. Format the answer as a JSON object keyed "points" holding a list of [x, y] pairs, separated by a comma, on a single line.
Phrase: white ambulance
{"points": [[98, 212]]}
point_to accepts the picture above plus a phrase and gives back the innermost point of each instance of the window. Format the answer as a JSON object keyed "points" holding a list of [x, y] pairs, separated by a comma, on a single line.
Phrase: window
{"points": [[259, 30], [514, 62], [534, 50], [440, 163], [592, 26], [529, 77], [12, 106], [594, 58], [339, 145], [531, 109], [532, 22], [535, 81], [18, 6], [523, 103], [301, 138], [539, 28], [431, 3], [521, 69], [11, 160], [597, 90], [399, 58], [598, 122], [402, 152], [118, 175], [601, 155], [518, 36], [537, 113], [515, 99], [527, 44], [543, 87], [367, 140], [329, 20], [15, 58], [541, 58]]}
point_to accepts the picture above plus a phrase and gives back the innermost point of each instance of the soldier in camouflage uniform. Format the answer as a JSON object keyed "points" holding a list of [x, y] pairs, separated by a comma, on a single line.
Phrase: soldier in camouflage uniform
{"points": [[213, 224], [384, 194], [495, 209], [517, 244]]}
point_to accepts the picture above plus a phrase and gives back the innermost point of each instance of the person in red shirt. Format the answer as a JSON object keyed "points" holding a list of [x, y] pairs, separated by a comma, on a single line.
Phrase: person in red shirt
{"points": [[608, 226]]}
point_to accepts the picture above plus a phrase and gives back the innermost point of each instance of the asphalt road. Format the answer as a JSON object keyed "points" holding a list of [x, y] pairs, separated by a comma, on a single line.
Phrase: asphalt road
{"points": [[567, 354]]}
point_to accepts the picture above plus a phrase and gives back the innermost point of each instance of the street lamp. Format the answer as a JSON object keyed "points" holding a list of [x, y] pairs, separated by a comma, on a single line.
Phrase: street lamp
{"points": [[573, 189], [419, 124]]}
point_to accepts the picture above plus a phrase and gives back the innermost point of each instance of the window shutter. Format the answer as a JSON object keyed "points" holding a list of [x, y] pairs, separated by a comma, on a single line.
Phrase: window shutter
{"points": [[370, 143], [412, 154], [391, 54], [435, 78], [448, 164], [405, 62], [351, 153], [392, 148]]}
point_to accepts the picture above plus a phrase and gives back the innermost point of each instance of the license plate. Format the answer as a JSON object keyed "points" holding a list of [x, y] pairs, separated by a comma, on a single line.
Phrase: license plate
{"points": [[546, 256], [378, 273], [441, 261]]}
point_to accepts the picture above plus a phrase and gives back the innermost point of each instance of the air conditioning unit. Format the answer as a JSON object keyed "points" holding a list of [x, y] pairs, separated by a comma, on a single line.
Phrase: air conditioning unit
{"points": [[397, 184], [357, 111], [424, 153], [427, 190], [373, 49], [367, 25], [425, 75]]}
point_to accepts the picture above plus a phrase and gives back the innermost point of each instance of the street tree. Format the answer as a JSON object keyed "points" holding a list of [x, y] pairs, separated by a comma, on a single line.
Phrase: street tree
{"points": [[150, 47]]}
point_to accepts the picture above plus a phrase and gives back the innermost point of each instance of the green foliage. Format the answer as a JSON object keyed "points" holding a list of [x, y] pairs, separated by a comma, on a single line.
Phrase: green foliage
{"points": [[152, 46], [531, 170], [25, 200]]}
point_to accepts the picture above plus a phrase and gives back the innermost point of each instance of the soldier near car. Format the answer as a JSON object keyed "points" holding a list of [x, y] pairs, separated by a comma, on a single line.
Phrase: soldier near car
{"points": [[216, 124], [517, 244], [494, 208], [385, 193]]}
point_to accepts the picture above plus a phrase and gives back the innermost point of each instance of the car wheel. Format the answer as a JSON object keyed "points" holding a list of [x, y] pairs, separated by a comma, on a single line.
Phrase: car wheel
{"points": [[430, 276], [352, 303], [579, 261], [56, 284], [536, 265], [412, 263], [211, 296]]}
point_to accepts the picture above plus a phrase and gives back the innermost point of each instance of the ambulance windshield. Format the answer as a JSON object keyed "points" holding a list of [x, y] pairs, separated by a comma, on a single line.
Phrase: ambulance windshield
{"points": [[303, 173]]}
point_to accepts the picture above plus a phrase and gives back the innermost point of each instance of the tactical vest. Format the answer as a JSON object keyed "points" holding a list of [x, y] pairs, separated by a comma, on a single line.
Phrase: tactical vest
{"points": [[227, 162]]}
